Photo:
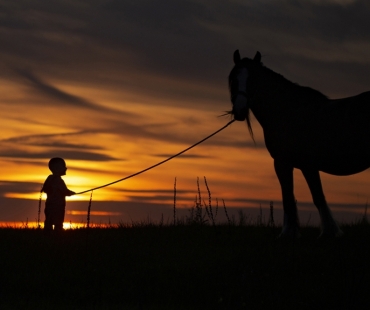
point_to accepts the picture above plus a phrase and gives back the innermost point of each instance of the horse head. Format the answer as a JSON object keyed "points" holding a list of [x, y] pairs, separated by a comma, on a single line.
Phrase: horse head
{"points": [[241, 86]]}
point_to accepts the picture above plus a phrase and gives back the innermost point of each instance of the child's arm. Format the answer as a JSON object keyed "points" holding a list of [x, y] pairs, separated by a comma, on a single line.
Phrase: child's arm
{"points": [[70, 192], [65, 190]]}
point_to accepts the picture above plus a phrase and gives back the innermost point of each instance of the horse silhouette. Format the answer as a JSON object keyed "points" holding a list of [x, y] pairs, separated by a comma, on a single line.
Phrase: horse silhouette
{"points": [[302, 129]]}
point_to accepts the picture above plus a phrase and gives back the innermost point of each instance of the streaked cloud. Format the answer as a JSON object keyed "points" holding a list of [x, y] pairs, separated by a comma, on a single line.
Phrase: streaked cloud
{"points": [[78, 155], [56, 95]]}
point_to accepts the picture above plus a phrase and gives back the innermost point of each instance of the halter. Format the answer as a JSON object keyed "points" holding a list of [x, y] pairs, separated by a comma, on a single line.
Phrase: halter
{"points": [[242, 93]]}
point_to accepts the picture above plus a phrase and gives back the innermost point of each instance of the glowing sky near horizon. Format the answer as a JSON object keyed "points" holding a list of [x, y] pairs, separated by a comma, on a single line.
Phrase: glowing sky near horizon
{"points": [[117, 86]]}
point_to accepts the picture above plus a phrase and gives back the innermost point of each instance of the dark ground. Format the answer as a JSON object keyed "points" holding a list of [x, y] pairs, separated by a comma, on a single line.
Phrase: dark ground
{"points": [[184, 267]]}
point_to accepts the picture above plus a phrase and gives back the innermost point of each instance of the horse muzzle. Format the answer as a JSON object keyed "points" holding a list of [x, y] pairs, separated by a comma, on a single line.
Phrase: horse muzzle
{"points": [[240, 108], [241, 116]]}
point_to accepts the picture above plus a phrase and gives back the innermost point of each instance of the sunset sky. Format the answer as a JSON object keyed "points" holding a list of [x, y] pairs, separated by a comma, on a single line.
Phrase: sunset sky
{"points": [[114, 87]]}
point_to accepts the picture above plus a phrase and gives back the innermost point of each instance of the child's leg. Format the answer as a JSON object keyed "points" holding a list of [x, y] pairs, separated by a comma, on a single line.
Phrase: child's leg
{"points": [[59, 219], [48, 224]]}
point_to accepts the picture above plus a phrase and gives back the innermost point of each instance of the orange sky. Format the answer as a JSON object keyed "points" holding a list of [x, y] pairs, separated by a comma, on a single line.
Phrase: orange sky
{"points": [[114, 92]]}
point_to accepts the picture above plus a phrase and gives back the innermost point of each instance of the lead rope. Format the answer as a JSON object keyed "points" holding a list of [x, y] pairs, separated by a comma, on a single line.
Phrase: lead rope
{"points": [[135, 174], [160, 163]]}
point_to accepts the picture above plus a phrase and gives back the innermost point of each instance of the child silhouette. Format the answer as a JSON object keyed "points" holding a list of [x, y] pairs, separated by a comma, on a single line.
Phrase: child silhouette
{"points": [[56, 191]]}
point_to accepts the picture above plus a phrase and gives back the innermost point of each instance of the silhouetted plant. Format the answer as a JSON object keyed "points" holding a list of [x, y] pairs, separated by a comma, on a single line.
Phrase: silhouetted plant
{"points": [[88, 211], [25, 224], [216, 208], [198, 206], [174, 203], [242, 218], [161, 221], [227, 215], [196, 213], [271, 218], [209, 209], [259, 217], [364, 218], [199, 217]]}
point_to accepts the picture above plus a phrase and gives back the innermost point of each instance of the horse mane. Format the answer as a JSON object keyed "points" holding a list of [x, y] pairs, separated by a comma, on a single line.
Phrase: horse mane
{"points": [[309, 92]]}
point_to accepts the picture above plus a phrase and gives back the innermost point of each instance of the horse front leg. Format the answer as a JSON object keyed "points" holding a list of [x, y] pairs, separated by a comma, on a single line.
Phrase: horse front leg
{"points": [[284, 172], [329, 226]]}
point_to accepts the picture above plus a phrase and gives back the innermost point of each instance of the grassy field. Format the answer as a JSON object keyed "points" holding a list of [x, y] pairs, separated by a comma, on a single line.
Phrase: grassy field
{"points": [[192, 266]]}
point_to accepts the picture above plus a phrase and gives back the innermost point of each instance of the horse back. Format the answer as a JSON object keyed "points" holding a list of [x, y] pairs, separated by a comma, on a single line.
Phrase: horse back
{"points": [[333, 136], [343, 135]]}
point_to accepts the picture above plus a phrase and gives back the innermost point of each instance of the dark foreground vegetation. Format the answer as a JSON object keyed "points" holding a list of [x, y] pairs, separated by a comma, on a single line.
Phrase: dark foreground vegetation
{"points": [[184, 267]]}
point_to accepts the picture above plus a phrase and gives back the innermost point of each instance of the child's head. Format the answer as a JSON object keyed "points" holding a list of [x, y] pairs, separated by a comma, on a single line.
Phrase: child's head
{"points": [[57, 166]]}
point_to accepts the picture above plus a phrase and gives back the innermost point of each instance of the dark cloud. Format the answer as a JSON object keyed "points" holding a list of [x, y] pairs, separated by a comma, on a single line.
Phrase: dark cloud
{"points": [[18, 187], [123, 43], [171, 31], [66, 154], [54, 93], [165, 133], [164, 198], [64, 145], [326, 20], [58, 96], [63, 142], [126, 44], [47, 146], [50, 140], [124, 128]]}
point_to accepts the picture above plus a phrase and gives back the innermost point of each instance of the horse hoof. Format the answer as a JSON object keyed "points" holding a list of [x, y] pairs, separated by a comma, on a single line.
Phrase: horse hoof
{"points": [[290, 235], [331, 234]]}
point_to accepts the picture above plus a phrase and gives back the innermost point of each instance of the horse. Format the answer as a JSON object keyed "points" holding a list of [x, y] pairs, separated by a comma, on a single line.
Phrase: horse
{"points": [[303, 129]]}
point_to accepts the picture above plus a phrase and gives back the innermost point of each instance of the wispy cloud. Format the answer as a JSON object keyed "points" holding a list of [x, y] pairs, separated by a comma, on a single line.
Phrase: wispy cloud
{"points": [[18, 187], [45, 139], [76, 155], [57, 95]]}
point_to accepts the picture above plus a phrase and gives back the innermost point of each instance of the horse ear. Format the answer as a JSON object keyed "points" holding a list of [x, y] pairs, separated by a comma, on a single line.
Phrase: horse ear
{"points": [[257, 57], [236, 57]]}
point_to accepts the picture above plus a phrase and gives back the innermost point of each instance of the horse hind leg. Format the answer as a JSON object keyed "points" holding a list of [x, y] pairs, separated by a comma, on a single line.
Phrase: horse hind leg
{"points": [[329, 227]]}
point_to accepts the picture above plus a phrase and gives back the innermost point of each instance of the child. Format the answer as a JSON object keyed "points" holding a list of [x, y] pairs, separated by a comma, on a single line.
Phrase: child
{"points": [[56, 191]]}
